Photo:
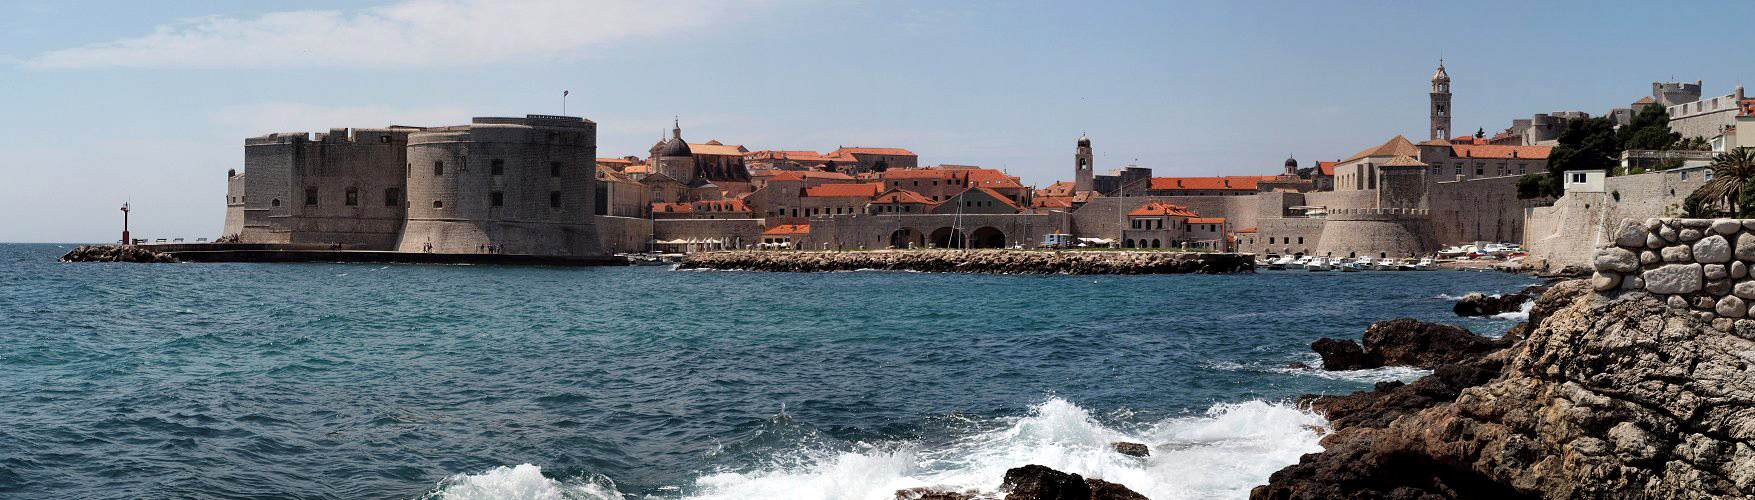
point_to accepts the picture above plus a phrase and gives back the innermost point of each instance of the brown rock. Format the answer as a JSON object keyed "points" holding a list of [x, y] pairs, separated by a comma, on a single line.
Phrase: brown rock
{"points": [[1131, 449]]}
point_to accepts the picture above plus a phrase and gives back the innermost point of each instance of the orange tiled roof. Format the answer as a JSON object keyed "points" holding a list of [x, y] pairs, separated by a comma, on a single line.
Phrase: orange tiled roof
{"points": [[901, 196], [1062, 188], [1230, 182], [661, 207], [1161, 208], [858, 190], [784, 229], [715, 148], [780, 175], [1748, 107], [733, 205], [995, 194], [1644, 100], [818, 174], [1395, 146], [1207, 220], [920, 173], [993, 178], [1327, 167], [1403, 161], [1245, 230], [845, 151], [1485, 151], [619, 161], [1052, 202]]}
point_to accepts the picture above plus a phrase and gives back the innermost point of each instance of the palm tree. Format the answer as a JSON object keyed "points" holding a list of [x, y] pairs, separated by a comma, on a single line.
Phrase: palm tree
{"points": [[1731, 171]]}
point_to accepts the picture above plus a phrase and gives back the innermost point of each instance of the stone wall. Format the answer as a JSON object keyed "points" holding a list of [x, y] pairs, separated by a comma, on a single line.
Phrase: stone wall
{"points": [[733, 233], [875, 231], [526, 185], [623, 234], [1701, 264], [1477, 210], [1569, 232]]}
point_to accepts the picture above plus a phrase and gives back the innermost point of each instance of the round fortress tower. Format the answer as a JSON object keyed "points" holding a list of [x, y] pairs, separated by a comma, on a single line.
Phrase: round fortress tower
{"points": [[523, 185], [1377, 233]]}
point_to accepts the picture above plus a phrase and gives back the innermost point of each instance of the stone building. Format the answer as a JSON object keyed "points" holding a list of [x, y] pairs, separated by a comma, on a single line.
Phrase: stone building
{"points": [[1450, 161], [1084, 175], [1707, 118], [876, 159], [1440, 103], [346, 186]]}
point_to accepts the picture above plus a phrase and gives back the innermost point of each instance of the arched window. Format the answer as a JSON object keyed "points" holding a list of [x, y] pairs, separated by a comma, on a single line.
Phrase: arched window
{"points": [[274, 202], [1155, 243]]}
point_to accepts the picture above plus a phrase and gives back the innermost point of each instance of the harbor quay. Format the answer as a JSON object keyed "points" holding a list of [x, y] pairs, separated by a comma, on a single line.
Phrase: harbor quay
{"points": [[998, 261]]}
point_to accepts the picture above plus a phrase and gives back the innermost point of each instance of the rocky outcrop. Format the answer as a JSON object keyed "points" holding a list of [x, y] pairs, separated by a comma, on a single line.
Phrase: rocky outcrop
{"points": [[115, 253], [1032, 482], [1480, 304], [1610, 396], [1405, 342], [976, 261], [1131, 449]]}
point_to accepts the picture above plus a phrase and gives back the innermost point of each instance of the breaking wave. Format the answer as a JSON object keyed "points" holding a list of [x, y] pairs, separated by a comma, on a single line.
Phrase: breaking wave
{"points": [[1223, 452]]}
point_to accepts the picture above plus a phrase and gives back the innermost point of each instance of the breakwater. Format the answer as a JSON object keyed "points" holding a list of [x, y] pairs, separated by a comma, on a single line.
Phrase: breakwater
{"points": [[977, 261], [115, 253], [290, 253]]}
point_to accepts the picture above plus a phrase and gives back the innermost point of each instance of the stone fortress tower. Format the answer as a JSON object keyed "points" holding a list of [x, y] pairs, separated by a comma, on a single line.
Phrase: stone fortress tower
{"points": [[1083, 175], [1441, 103], [1674, 93], [525, 185]]}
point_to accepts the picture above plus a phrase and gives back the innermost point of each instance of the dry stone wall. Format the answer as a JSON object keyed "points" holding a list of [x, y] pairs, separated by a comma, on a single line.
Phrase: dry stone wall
{"points": [[1700, 264]]}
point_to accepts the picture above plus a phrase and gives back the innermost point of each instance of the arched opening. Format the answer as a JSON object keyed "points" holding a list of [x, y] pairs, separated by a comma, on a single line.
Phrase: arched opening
{"points": [[274, 202], [1127, 244], [946, 237], [1382, 255], [1155, 243], [907, 237], [1351, 254], [987, 237]]}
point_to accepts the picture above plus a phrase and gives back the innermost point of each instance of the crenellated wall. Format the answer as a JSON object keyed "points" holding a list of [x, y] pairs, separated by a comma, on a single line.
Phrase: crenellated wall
{"points": [[1701, 264]]}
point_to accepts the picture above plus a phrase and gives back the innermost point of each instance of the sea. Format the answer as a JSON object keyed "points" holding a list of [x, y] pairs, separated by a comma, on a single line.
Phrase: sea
{"points": [[333, 380]]}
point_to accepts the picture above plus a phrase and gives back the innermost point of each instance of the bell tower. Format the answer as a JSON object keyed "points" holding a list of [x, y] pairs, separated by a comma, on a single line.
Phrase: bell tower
{"points": [[1083, 177], [1441, 103]]}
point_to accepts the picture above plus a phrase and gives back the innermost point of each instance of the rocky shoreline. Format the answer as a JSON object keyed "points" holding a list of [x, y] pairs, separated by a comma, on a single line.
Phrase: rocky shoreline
{"points": [[976, 261], [115, 253], [1597, 396]]}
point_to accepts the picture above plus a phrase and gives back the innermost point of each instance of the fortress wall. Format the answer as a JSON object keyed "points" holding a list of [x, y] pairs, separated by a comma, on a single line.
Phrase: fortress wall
{"points": [[1477, 210], [1376, 235], [868, 231], [280, 168], [1568, 233], [1342, 199], [735, 233], [234, 205], [452, 207], [1284, 236], [1099, 218], [1401, 187], [623, 234]]}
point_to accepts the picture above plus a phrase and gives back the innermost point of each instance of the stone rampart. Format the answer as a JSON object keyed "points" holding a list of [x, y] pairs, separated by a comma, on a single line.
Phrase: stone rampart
{"points": [[1701, 264], [977, 261]]}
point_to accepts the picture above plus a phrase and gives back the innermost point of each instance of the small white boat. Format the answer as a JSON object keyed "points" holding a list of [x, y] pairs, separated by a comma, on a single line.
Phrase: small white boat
{"points": [[1318, 264], [1386, 264], [1281, 263], [1426, 264], [1347, 267], [1300, 262]]}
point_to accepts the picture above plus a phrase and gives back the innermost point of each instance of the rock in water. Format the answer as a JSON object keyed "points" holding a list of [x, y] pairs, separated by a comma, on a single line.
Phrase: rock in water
{"points": [[1607, 397], [1343, 354], [1131, 449], [1104, 490], [115, 253], [1480, 304], [1035, 482], [1409, 342]]}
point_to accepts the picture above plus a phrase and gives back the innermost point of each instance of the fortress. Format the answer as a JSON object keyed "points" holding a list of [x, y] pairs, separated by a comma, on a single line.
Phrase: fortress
{"points": [[519, 185]]}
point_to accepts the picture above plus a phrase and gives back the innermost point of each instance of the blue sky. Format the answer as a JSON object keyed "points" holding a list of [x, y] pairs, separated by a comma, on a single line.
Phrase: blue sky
{"points": [[150, 101]]}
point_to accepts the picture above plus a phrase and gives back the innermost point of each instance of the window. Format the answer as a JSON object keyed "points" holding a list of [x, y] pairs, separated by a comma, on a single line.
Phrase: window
{"points": [[353, 197], [438, 204], [497, 199], [384, 139], [1480, 169], [1578, 178], [1300, 240], [1270, 240], [438, 168], [1437, 169], [554, 169], [311, 196], [1522, 167], [275, 202], [497, 167], [1459, 169], [390, 197]]}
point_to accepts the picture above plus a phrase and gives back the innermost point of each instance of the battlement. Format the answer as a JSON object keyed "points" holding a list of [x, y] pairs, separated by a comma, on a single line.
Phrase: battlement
{"points": [[392, 135], [1657, 87], [535, 120], [1378, 213]]}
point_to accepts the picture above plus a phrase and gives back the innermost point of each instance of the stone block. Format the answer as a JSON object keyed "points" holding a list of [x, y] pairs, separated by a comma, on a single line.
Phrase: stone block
{"points": [[1619, 260], [1669, 234], [1649, 257], [1653, 242], [1675, 278], [1715, 271], [1677, 302], [1749, 224], [1690, 234], [1730, 306], [1604, 281], [1705, 303], [1653, 224], [1739, 270], [1744, 289], [1746, 247], [1694, 223], [1712, 250], [1726, 226], [1632, 282], [1678, 253], [1632, 234], [1718, 287], [1723, 324]]}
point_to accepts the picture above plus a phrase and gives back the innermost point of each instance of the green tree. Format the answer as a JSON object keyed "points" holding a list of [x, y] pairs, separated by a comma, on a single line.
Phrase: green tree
{"points": [[1585, 144], [1480, 132], [1732, 172], [1695, 143], [1535, 185]]}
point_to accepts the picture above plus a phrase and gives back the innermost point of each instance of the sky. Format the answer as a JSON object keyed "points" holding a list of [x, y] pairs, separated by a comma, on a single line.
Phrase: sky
{"points": [[150, 102]]}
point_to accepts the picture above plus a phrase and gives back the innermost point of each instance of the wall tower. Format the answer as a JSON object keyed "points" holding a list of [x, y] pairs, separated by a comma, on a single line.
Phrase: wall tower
{"points": [[1083, 176], [1441, 103]]}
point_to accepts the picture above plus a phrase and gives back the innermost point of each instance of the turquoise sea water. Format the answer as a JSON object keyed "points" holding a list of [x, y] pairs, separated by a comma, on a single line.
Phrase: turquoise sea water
{"points": [[403, 381]]}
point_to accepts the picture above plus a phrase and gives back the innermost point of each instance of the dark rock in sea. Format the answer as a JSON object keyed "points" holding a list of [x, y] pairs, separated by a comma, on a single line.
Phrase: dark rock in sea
{"points": [[115, 253], [1409, 342], [1035, 482], [1104, 490], [1297, 365], [1480, 304], [1392, 399], [932, 493], [1343, 354], [1609, 396], [1131, 449]]}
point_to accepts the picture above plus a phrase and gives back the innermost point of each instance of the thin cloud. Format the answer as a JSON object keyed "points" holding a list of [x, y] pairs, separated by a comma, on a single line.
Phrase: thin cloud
{"points": [[257, 119], [410, 33]]}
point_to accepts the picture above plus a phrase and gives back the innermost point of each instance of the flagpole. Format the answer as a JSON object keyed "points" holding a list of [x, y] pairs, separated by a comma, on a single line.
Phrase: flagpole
{"points": [[564, 102]]}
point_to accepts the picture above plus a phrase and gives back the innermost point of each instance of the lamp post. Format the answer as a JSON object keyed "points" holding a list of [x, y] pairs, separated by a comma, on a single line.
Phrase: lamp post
{"points": [[125, 240]]}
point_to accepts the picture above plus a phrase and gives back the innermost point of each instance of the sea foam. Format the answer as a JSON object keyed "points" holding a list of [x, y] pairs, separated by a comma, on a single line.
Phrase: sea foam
{"points": [[1221, 453]]}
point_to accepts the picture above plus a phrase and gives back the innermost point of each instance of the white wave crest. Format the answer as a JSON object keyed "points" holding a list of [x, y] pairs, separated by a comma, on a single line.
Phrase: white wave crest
{"points": [[1522, 314], [524, 481]]}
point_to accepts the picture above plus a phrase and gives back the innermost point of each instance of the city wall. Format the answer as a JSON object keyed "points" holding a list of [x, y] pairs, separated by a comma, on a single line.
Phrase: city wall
{"points": [[1477, 210], [875, 231], [1569, 232], [732, 233]]}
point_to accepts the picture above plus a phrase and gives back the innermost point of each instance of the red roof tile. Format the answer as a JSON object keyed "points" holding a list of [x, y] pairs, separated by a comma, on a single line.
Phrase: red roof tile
{"points": [[1207, 220], [1245, 230], [662, 208], [1327, 167], [857, 190], [1485, 151], [784, 229], [901, 196], [871, 151], [721, 206], [1161, 208], [1232, 182], [920, 173]]}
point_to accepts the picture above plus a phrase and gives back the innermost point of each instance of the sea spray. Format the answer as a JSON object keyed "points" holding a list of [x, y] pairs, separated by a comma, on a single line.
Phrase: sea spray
{"points": [[1222, 453]]}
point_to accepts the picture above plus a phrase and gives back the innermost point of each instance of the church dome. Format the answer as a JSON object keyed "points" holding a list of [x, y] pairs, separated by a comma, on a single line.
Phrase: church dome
{"points": [[1291, 163], [1440, 75], [675, 146], [1084, 142]]}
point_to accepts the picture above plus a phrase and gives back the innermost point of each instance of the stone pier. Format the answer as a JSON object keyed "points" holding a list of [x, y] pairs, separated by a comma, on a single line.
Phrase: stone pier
{"points": [[978, 261]]}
